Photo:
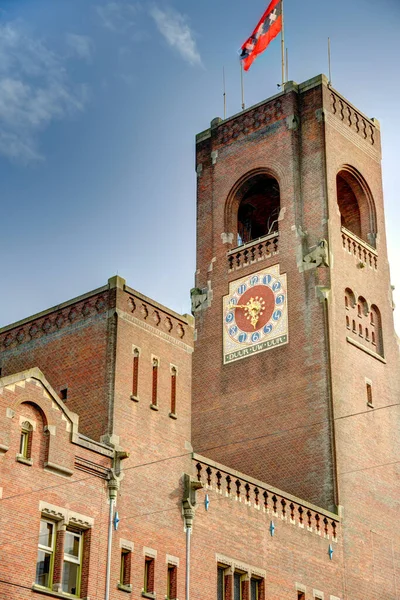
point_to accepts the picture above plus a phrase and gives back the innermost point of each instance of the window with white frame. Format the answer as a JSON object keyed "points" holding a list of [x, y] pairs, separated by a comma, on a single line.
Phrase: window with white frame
{"points": [[46, 551], [72, 565]]}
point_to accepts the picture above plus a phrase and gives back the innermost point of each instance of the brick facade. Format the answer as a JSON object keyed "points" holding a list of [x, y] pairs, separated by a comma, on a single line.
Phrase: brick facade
{"points": [[281, 468]]}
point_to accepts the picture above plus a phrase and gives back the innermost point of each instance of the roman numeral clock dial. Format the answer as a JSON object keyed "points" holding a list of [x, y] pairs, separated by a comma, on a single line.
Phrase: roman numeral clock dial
{"points": [[255, 314]]}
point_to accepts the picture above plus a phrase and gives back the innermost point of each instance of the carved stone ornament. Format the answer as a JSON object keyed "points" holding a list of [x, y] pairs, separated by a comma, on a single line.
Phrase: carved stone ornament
{"points": [[199, 299], [318, 257]]}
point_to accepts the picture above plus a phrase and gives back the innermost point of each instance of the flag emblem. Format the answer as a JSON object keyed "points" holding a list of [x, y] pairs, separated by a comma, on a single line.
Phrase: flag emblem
{"points": [[267, 29]]}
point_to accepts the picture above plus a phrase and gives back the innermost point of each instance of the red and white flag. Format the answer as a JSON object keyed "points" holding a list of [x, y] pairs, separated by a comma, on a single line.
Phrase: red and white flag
{"points": [[267, 29]]}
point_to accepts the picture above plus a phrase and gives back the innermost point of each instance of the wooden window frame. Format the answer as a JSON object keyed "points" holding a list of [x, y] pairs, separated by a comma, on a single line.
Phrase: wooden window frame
{"points": [[75, 560], [50, 550]]}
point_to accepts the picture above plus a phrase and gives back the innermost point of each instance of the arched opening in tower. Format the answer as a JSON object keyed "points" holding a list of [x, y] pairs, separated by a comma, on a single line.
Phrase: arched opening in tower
{"points": [[259, 209], [357, 211]]}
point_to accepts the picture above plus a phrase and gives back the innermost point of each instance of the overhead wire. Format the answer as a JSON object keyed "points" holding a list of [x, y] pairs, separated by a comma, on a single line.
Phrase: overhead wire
{"points": [[236, 442]]}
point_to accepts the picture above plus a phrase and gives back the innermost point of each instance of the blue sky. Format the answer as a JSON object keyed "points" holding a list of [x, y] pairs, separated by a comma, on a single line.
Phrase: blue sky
{"points": [[100, 101]]}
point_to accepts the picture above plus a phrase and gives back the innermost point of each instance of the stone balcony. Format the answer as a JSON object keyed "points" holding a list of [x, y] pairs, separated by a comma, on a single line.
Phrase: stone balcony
{"points": [[253, 252], [363, 252]]}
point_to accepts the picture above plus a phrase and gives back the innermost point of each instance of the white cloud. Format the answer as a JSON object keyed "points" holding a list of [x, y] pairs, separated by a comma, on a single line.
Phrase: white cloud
{"points": [[176, 30], [80, 46], [34, 91], [118, 16]]}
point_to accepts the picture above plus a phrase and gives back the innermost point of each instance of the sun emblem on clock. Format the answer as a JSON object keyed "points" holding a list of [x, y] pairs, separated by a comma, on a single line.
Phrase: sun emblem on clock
{"points": [[254, 309], [255, 316]]}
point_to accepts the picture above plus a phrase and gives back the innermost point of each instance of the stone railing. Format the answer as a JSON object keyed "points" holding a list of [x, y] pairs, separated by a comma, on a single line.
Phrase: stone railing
{"points": [[360, 249], [351, 117], [257, 495], [253, 251]]}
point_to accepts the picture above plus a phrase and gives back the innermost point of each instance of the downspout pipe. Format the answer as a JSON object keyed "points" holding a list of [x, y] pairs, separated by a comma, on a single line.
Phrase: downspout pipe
{"points": [[187, 578], [112, 492], [189, 506]]}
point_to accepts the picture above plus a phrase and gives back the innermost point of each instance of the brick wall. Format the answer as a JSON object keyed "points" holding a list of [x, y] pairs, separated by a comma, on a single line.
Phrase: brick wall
{"points": [[257, 414]]}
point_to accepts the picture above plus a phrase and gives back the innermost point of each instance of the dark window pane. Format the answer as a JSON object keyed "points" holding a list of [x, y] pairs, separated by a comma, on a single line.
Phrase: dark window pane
{"points": [[221, 581], [237, 587], [254, 589], [43, 569]]}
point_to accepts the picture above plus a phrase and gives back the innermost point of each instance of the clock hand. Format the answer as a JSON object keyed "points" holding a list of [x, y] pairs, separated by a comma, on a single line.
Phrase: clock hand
{"points": [[253, 308]]}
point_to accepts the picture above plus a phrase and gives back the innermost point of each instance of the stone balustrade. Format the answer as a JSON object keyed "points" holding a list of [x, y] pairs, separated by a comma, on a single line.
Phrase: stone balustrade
{"points": [[254, 251], [360, 249], [252, 493]]}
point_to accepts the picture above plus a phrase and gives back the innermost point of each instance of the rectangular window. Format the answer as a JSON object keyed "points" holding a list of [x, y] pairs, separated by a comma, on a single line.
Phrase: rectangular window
{"points": [[172, 582], [237, 586], [24, 443], [254, 589], [221, 584], [135, 374], [72, 566], [301, 596], [369, 395], [155, 383], [45, 560], [125, 574], [148, 575], [173, 390]]}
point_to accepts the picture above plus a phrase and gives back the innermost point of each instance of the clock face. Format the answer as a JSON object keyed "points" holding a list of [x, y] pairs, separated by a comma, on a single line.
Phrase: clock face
{"points": [[255, 314]]}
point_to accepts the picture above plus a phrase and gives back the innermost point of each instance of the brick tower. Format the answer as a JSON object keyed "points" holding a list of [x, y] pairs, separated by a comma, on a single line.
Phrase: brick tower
{"points": [[296, 359]]}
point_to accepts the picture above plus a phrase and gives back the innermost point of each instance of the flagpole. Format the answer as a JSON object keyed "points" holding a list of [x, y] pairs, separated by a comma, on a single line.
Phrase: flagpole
{"points": [[242, 84], [287, 65], [283, 47], [223, 76], [329, 60]]}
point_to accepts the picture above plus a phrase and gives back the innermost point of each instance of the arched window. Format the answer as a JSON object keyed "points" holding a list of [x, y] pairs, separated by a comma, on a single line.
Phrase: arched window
{"points": [[376, 326], [259, 208], [33, 436], [25, 441], [362, 307], [356, 205], [350, 299]]}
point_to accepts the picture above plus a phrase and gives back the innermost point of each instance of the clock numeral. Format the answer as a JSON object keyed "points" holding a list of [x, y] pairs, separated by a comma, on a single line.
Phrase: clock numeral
{"points": [[277, 286], [280, 299], [242, 337], [267, 279], [255, 337], [229, 317], [233, 301], [268, 328], [233, 330], [277, 315], [254, 280], [241, 289]]}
